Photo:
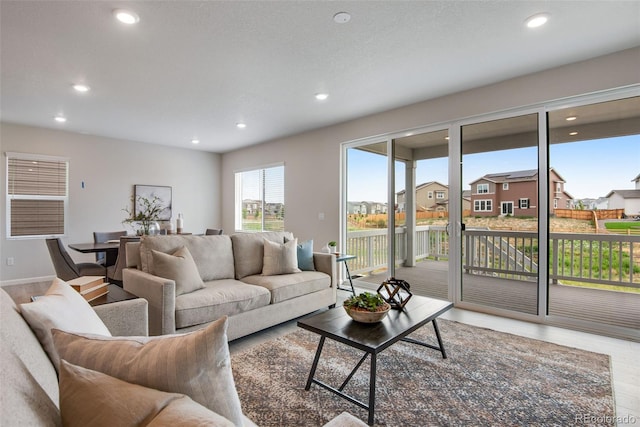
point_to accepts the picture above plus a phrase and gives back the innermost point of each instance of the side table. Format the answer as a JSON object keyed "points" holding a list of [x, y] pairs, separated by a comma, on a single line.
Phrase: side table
{"points": [[115, 294], [344, 258]]}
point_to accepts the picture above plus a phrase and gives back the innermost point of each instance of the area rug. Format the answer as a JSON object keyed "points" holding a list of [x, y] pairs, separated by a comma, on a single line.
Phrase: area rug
{"points": [[489, 379]]}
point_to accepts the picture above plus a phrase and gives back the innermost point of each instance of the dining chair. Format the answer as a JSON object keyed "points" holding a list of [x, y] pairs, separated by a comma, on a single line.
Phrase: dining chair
{"points": [[213, 231], [66, 268], [114, 272], [102, 237]]}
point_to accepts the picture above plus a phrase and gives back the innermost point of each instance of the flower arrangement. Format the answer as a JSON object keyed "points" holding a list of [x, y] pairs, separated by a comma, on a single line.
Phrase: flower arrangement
{"points": [[147, 214]]}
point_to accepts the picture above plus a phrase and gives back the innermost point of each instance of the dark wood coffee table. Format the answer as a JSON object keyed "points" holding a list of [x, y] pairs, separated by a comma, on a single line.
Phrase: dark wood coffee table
{"points": [[115, 294], [373, 338]]}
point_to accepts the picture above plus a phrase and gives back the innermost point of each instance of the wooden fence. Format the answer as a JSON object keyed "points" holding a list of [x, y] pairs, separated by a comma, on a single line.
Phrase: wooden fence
{"points": [[589, 214]]}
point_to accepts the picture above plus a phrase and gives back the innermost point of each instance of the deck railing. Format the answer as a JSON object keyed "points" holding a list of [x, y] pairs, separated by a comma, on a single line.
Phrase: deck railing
{"points": [[592, 258]]}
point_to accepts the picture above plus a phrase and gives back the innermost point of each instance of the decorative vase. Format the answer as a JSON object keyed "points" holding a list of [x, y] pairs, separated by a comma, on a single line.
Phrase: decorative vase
{"points": [[154, 228], [363, 315], [325, 249]]}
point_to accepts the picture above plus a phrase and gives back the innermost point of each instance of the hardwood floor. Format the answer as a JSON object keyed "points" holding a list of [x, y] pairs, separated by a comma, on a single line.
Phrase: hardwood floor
{"points": [[625, 355]]}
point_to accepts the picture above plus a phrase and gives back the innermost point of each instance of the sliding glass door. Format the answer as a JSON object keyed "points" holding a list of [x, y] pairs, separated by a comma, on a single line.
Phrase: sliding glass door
{"points": [[499, 196]]}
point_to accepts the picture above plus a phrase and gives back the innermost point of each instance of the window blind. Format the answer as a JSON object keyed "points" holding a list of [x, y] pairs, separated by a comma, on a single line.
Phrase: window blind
{"points": [[37, 190], [260, 199]]}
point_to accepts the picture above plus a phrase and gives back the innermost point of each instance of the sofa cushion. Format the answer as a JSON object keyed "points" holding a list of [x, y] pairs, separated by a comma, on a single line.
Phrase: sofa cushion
{"points": [[218, 298], [91, 398], [63, 308], [178, 267], [248, 250], [212, 254], [305, 256], [289, 286], [27, 378], [196, 364], [280, 258]]}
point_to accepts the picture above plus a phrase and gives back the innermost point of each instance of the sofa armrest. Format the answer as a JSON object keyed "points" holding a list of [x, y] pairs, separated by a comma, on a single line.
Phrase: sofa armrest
{"points": [[160, 293], [326, 263], [125, 318]]}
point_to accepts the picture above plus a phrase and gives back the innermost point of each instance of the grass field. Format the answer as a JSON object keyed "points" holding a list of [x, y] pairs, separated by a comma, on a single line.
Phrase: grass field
{"points": [[622, 225]]}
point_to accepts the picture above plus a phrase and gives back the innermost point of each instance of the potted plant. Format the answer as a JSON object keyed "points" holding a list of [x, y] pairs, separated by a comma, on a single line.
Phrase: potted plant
{"points": [[146, 216], [333, 247], [366, 307]]}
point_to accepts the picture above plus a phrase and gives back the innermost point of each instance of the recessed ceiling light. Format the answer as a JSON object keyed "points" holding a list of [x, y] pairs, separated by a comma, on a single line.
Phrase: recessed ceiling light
{"points": [[126, 16], [81, 88], [573, 133], [342, 17], [195, 141], [321, 96], [446, 137], [571, 118], [60, 119], [537, 20], [241, 125]]}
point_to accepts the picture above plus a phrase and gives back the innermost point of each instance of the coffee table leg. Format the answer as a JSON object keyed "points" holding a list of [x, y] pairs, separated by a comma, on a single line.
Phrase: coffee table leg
{"points": [[315, 363], [372, 389], [435, 327]]}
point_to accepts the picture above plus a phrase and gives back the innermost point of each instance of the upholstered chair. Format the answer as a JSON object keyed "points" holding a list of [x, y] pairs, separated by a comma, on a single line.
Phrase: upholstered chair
{"points": [[114, 272], [66, 268], [213, 231]]}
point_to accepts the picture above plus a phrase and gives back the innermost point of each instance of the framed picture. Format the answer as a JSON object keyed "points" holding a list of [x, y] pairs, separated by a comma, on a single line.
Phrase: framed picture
{"points": [[149, 192]]}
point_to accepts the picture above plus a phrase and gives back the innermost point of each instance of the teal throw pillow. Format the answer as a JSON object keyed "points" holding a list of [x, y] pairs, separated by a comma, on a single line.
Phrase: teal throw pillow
{"points": [[305, 256]]}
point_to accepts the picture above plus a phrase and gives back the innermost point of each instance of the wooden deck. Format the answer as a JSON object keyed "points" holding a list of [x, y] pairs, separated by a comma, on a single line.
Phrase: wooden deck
{"points": [[429, 278]]}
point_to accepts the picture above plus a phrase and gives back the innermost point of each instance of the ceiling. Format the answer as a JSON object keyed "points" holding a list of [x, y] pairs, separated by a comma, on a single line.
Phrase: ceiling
{"points": [[193, 69]]}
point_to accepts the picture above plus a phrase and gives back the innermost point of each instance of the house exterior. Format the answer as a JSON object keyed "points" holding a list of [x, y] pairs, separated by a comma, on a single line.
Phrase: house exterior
{"points": [[431, 196], [366, 208], [516, 193], [629, 200]]}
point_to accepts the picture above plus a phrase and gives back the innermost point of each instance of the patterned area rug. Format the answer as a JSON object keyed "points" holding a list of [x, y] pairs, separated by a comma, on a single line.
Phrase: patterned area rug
{"points": [[489, 378]]}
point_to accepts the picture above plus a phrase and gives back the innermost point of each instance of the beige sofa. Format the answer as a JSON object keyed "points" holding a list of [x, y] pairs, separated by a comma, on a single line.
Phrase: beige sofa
{"points": [[29, 392], [231, 269]]}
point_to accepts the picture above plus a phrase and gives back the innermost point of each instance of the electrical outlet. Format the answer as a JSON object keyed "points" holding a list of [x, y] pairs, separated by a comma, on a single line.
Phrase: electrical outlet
{"points": [[10, 261]]}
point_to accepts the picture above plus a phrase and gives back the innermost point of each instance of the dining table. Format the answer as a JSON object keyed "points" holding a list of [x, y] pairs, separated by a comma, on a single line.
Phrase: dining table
{"points": [[110, 248]]}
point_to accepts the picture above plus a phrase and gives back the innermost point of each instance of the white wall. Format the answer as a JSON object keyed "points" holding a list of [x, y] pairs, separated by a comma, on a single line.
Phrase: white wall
{"points": [[109, 168], [312, 160]]}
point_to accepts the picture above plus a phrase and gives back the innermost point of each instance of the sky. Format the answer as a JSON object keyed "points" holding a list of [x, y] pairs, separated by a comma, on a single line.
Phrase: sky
{"points": [[591, 168]]}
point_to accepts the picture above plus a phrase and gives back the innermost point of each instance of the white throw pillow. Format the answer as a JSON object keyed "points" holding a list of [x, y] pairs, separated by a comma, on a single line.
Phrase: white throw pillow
{"points": [[280, 258], [61, 307]]}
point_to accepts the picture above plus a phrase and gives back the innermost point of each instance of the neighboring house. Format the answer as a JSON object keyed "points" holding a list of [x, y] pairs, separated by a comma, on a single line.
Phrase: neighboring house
{"points": [[366, 208], [516, 193], [629, 200], [430, 196]]}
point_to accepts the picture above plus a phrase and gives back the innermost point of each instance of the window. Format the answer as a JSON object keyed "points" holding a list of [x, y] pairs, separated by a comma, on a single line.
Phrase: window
{"points": [[482, 206], [558, 187], [482, 188], [260, 199], [439, 194], [430, 195], [505, 185], [555, 203], [37, 195], [523, 204]]}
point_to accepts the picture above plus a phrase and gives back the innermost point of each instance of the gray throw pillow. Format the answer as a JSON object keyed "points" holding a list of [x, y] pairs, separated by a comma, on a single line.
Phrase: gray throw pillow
{"points": [[197, 364], [91, 398], [280, 258], [179, 267]]}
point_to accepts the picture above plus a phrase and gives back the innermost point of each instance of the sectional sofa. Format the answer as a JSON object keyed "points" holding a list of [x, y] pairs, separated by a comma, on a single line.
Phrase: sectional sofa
{"points": [[256, 279]]}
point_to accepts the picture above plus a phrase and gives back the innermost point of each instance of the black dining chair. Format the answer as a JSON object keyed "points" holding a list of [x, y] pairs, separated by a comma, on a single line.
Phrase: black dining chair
{"points": [[213, 231], [102, 237], [66, 268]]}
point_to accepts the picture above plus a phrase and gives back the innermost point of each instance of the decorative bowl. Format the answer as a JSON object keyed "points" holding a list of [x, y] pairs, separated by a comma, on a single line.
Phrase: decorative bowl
{"points": [[365, 316]]}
